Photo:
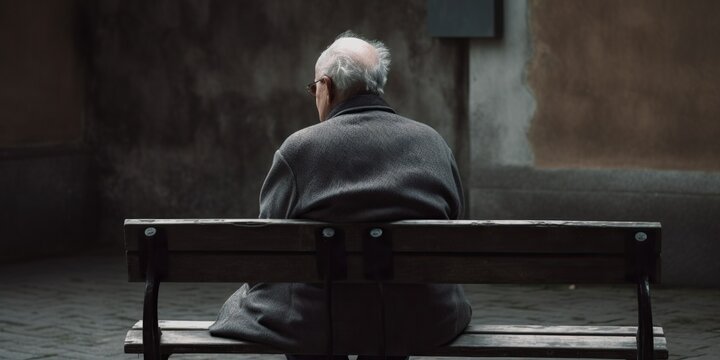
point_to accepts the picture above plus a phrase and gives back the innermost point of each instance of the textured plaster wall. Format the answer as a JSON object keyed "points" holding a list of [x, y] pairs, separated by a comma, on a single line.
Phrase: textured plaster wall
{"points": [[602, 110], [191, 98], [626, 84]]}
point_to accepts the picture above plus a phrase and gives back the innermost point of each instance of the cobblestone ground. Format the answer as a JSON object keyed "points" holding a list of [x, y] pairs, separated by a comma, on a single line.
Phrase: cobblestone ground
{"points": [[80, 308]]}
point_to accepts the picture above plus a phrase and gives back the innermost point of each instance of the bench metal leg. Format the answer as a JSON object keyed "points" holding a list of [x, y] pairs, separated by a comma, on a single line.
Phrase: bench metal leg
{"points": [[155, 257], [645, 340], [151, 331]]}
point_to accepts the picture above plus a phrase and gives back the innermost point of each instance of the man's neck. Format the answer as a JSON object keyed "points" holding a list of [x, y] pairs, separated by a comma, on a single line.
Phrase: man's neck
{"points": [[360, 100]]}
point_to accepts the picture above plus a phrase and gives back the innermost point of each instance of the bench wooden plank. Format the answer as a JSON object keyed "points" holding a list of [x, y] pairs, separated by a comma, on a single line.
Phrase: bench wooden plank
{"points": [[583, 346], [605, 330], [195, 342], [408, 236], [178, 325], [501, 345], [441, 268], [532, 223]]}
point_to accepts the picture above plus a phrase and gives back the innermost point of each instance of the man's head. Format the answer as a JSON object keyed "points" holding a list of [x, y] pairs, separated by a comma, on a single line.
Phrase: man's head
{"points": [[349, 66]]}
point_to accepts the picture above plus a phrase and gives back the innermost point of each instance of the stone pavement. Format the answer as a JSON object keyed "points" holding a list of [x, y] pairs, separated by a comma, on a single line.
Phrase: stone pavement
{"points": [[80, 308]]}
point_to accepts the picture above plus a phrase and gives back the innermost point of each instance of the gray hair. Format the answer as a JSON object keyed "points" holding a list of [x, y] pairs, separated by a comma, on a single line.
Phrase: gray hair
{"points": [[348, 71]]}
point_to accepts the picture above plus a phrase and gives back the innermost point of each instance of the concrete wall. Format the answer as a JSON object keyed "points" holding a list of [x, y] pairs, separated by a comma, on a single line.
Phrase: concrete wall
{"points": [[603, 110], [191, 98], [573, 117]]}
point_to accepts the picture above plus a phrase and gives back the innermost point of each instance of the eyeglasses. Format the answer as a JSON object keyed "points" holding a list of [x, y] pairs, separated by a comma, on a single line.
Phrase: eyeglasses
{"points": [[312, 87]]}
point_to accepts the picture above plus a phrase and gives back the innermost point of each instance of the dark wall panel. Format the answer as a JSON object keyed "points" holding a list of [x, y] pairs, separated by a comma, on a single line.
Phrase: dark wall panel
{"points": [[42, 86], [47, 202]]}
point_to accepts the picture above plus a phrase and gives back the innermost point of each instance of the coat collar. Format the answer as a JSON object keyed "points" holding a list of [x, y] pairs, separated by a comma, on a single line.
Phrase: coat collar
{"points": [[359, 103]]}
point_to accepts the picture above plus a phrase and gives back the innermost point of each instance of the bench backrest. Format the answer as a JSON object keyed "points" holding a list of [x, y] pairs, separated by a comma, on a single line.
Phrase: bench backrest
{"points": [[419, 251]]}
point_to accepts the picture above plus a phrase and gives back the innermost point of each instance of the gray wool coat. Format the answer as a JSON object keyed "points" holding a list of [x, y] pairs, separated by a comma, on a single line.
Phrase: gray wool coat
{"points": [[363, 164]]}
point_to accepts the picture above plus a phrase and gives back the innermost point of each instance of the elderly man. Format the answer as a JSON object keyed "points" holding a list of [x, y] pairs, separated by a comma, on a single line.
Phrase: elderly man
{"points": [[361, 163]]}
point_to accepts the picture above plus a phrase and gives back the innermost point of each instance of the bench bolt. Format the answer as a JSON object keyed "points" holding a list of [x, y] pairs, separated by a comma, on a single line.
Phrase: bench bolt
{"points": [[376, 232], [640, 236], [328, 232], [151, 231]]}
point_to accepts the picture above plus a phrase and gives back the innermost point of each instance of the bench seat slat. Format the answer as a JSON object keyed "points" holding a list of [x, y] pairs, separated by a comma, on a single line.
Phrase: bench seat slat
{"points": [[471, 329], [178, 325], [558, 330], [526, 345], [530, 345], [195, 342]]}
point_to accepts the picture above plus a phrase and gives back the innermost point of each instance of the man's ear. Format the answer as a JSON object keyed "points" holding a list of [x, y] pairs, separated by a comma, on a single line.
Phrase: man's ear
{"points": [[330, 89]]}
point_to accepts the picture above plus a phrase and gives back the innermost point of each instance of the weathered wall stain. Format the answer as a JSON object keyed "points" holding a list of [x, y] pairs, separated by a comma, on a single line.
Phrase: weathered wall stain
{"points": [[500, 103], [626, 84]]}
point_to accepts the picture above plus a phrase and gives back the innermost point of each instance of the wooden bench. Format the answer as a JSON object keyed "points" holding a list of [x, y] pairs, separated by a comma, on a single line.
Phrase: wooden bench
{"points": [[427, 251]]}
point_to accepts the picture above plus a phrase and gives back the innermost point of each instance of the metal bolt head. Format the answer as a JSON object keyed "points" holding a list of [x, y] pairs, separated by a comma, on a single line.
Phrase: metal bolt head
{"points": [[328, 232], [376, 232], [151, 231], [640, 236]]}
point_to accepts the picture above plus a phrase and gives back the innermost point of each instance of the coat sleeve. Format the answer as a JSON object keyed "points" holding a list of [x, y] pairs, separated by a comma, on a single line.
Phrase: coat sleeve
{"points": [[279, 191]]}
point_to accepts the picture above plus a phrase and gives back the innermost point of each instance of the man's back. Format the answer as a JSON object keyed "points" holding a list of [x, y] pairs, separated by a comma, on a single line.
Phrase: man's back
{"points": [[364, 164]]}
